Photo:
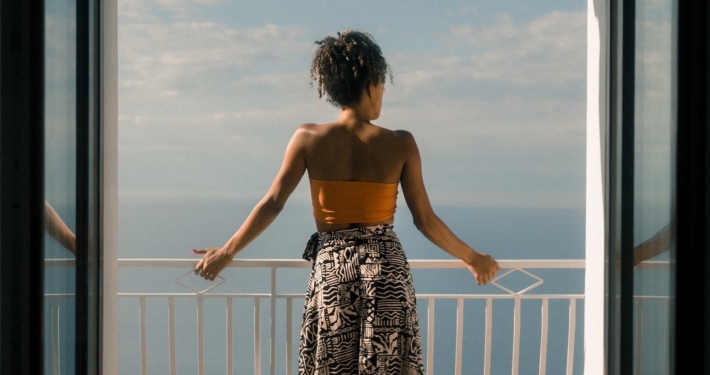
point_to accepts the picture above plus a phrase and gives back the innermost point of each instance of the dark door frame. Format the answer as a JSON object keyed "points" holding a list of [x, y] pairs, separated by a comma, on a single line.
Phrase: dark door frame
{"points": [[21, 186], [88, 187], [692, 323]]}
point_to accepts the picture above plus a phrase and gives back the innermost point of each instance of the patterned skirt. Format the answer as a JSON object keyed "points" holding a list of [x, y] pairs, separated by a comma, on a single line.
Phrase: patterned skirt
{"points": [[360, 315]]}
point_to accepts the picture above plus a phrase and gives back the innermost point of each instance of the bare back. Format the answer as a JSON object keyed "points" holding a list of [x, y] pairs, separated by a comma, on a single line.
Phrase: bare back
{"points": [[368, 153], [364, 153]]}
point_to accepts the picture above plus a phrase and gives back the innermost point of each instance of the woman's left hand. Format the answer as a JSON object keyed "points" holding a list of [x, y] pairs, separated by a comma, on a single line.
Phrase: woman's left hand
{"points": [[214, 260]]}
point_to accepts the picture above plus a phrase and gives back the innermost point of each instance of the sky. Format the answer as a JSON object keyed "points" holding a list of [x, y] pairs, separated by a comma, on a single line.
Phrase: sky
{"points": [[210, 92]]}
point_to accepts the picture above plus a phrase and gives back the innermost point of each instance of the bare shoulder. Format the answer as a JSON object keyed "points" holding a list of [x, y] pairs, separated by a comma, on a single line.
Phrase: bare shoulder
{"points": [[406, 140], [310, 135], [306, 132], [404, 135], [315, 130], [307, 128]]}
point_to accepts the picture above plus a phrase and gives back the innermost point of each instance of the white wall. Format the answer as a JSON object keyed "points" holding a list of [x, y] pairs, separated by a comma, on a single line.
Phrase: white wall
{"points": [[597, 72]]}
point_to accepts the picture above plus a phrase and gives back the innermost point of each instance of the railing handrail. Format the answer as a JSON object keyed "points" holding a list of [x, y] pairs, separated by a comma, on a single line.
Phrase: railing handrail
{"points": [[300, 263]]}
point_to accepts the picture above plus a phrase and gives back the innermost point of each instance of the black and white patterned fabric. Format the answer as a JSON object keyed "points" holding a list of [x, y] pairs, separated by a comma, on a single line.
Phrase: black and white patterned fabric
{"points": [[360, 315]]}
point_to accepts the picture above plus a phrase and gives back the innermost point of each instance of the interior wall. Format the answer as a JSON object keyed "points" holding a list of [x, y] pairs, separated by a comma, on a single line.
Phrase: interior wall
{"points": [[594, 313]]}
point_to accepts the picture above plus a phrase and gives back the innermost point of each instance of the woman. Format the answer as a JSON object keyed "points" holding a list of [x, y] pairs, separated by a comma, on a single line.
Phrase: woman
{"points": [[360, 315]]}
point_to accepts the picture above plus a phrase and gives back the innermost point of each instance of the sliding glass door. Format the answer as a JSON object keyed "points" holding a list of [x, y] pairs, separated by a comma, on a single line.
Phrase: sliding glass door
{"points": [[60, 186], [641, 187], [654, 188]]}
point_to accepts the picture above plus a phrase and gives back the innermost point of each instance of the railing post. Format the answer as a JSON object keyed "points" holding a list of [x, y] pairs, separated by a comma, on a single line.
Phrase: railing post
{"points": [[667, 335], [516, 336], [289, 313], [489, 333], [230, 340], [570, 338], [141, 328], [257, 336], [543, 337], [430, 339], [272, 343], [459, 336], [171, 334], [639, 335], [56, 362], [200, 336]]}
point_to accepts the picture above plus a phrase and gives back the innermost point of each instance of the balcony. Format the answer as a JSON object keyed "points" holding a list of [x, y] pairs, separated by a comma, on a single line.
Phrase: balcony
{"points": [[276, 331]]}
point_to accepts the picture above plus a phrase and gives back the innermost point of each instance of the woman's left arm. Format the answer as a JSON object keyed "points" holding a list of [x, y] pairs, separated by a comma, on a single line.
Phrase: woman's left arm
{"points": [[214, 260], [58, 229]]}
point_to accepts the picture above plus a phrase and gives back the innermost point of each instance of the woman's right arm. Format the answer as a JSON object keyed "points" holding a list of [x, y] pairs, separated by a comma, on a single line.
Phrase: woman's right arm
{"points": [[292, 169], [483, 266]]}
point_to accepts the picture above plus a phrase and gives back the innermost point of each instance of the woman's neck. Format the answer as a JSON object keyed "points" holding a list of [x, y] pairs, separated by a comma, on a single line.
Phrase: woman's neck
{"points": [[352, 118]]}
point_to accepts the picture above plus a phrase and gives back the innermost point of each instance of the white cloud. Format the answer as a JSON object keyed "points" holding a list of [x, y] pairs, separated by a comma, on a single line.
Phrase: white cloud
{"points": [[164, 60], [145, 9], [547, 51], [203, 104]]}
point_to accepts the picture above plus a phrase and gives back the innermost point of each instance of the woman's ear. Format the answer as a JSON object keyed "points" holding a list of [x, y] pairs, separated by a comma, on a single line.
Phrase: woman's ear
{"points": [[370, 89]]}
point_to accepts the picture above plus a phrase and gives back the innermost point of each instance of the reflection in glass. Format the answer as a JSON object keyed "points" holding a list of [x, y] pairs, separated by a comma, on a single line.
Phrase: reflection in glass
{"points": [[60, 184], [653, 175]]}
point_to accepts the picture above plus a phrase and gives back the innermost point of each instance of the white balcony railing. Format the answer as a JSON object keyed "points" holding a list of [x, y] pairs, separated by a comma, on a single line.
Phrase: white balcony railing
{"points": [[427, 326], [274, 265]]}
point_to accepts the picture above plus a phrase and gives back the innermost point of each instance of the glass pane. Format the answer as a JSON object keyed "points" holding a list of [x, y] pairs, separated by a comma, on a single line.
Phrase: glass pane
{"points": [[654, 172], [60, 185]]}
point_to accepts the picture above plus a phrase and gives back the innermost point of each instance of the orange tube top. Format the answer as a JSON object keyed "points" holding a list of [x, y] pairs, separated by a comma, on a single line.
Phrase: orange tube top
{"points": [[348, 202]]}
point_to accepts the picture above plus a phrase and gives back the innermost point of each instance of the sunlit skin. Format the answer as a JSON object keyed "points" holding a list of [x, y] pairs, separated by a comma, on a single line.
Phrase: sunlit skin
{"points": [[350, 149], [654, 246], [55, 226]]}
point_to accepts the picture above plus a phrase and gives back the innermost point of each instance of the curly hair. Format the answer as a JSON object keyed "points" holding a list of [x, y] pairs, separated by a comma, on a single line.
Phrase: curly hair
{"points": [[346, 65]]}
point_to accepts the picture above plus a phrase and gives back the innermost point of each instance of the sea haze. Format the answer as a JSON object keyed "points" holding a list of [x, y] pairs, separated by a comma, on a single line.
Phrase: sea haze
{"points": [[169, 228]]}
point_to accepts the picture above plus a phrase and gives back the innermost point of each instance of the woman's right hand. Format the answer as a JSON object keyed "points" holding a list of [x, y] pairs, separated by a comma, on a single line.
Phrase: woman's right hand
{"points": [[483, 267]]}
